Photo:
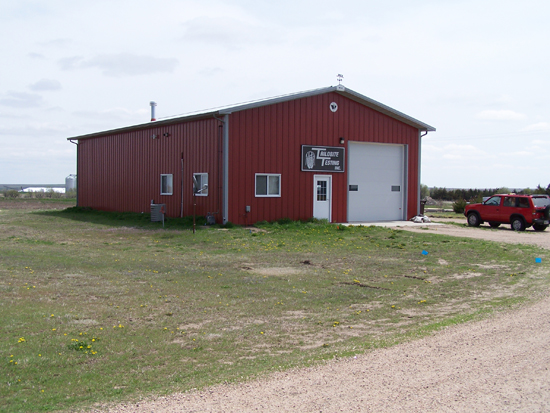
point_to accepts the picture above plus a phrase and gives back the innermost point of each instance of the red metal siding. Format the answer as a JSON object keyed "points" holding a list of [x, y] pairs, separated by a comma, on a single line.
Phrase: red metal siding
{"points": [[122, 172], [268, 140]]}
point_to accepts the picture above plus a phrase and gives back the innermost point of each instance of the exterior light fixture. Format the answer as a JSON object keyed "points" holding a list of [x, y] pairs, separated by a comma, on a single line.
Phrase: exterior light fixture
{"points": [[342, 141]]}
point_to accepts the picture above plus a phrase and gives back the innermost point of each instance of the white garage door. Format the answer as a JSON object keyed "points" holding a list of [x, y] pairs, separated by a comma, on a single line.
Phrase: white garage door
{"points": [[376, 182]]}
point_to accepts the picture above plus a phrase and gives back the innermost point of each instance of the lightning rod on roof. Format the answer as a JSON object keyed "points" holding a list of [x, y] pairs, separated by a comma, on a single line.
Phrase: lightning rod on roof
{"points": [[340, 86]]}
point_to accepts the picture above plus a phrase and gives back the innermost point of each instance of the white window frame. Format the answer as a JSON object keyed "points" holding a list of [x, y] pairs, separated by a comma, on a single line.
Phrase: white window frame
{"points": [[203, 177], [267, 195], [169, 184]]}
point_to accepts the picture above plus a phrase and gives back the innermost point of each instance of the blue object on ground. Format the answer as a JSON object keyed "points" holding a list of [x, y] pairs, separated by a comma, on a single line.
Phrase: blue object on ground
{"points": [[424, 252], [538, 260]]}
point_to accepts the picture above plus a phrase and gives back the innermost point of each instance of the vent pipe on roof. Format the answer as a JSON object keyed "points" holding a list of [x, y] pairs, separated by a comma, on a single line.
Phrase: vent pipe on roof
{"points": [[153, 104]]}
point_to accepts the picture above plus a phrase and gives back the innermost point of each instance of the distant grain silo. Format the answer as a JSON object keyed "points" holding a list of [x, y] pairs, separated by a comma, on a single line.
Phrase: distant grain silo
{"points": [[70, 183]]}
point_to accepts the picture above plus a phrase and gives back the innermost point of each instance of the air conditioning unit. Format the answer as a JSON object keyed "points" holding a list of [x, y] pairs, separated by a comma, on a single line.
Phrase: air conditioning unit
{"points": [[157, 212]]}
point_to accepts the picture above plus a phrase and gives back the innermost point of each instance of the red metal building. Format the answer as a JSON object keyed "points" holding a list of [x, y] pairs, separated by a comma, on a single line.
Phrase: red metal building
{"points": [[327, 153]]}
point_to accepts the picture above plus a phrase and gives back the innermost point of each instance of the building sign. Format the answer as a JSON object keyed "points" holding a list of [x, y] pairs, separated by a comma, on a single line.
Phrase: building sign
{"points": [[322, 158]]}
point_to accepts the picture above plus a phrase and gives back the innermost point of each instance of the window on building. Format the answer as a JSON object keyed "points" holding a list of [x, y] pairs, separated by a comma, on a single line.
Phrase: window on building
{"points": [[166, 187], [200, 184], [321, 190], [268, 185]]}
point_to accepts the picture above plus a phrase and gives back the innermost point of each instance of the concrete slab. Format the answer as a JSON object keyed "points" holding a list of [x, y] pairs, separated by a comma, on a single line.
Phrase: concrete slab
{"points": [[392, 224]]}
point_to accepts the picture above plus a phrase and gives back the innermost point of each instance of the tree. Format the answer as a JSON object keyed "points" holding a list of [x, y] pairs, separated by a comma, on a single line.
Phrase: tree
{"points": [[540, 190], [11, 193], [424, 191]]}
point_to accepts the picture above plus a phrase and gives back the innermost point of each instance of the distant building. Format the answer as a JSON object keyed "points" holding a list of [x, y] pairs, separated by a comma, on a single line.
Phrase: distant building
{"points": [[329, 153]]}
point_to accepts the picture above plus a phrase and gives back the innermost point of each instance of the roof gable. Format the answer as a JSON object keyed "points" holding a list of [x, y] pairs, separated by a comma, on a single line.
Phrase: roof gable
{"points": [[227, 110], [341, 90]]}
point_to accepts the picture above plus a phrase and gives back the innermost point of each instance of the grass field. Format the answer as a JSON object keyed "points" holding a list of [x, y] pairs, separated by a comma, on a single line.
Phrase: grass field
{"points": [[98, 307]]}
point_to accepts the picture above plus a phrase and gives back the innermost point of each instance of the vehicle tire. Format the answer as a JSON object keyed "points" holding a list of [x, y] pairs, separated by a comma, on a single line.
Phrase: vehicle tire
{"points": [[494, 224], [539, 227], [517, 224], [473, 219]]}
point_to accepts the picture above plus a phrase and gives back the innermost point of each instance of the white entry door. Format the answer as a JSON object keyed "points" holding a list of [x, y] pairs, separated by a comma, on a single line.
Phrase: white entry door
{"points": [[322, 197]]}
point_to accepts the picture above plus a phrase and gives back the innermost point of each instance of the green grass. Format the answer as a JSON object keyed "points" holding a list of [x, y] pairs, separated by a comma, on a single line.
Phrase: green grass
{"points": [[99, 307], [38, 201], [445, 214]]}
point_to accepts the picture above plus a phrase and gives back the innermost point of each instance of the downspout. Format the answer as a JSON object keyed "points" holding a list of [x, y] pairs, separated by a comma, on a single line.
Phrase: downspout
{"points": [[220, 169], [77, 163], [420, 136], [182, 176], [225, 168]]}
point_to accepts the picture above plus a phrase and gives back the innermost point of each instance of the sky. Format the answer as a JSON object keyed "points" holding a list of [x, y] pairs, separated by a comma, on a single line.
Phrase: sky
{"points": [[478, 71]]}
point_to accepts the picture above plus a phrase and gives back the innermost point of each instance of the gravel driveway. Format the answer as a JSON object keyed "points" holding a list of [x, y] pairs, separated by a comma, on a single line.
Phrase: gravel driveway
{"points": [[496, 365], [501, 234]]}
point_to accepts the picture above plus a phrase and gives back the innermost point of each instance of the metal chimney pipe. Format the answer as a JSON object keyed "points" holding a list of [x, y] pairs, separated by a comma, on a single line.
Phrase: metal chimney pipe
{"points": [[153, 104]]}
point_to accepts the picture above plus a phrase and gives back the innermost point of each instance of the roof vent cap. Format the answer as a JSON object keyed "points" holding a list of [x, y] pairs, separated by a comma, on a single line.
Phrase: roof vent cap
{"points": [[153, 105]]}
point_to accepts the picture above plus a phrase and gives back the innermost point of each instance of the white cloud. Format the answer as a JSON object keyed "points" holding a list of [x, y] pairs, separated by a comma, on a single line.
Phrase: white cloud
{"points": [[70, 63], [504, 99], [500, 115], [518, 167], [115, 114], [61, 42], [541, 126], [45, 84], [35, 129], [121, 64], [516, 154], [454, 152], [431, 148], [227, 32], [210, 71], [36, 56], [21, 100]]}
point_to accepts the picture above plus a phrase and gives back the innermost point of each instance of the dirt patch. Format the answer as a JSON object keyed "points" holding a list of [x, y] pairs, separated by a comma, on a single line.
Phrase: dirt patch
{"points": [[86, 322], [254, 230], [272, 271], [492, 266], [197, 326], [466, 275]]}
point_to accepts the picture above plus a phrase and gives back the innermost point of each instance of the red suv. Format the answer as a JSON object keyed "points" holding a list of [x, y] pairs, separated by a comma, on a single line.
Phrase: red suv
{"points": [[520, 211]]}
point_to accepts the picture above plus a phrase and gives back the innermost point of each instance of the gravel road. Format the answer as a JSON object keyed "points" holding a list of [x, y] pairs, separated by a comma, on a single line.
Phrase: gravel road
{"points": [[499, 364]]}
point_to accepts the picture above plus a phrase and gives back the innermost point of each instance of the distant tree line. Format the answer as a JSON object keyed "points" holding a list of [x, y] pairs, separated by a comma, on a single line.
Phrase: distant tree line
{"points": [[443, 194], [50, 193]]}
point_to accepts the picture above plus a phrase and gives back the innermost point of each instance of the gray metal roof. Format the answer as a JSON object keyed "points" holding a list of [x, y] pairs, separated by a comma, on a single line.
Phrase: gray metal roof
{"points": [[226, 110]]}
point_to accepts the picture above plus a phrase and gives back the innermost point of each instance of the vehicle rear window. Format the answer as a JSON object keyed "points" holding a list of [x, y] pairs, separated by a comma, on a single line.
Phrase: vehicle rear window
{"points": [[541, 201]]}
